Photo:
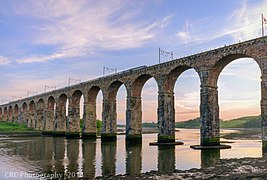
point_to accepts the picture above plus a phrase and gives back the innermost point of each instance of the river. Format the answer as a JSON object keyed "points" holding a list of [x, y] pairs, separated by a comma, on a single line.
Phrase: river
{"points": [[47, 157]]}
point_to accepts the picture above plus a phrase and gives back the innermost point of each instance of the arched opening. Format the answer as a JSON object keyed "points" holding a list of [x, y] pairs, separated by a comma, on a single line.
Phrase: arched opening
{"points": [[1, 115], [61, 115], [149, 101], [139, 110], [5, 114], [50, 114], [16, 113], [40, 115], [110, 110], [210, 131], [73, 123], [32, 108], [167, 101], [93, 113], [239, 94], [10, 114], [187, 98], [24, 119]]}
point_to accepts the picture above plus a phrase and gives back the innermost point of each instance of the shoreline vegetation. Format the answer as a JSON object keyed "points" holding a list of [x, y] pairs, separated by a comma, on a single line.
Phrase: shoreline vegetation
{"points": [[247, 128]]}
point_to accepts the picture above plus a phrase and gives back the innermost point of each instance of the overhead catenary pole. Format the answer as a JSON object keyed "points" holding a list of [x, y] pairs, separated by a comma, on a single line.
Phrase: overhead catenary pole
{"points": [[159, 55], [262, 24]]}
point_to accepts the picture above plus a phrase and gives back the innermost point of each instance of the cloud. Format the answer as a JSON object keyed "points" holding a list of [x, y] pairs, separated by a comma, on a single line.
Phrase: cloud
{"points": [[79, 28], [4, 60], [244, 23]]}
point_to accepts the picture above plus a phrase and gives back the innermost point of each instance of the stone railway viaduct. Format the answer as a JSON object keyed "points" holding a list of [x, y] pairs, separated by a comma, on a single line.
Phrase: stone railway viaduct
{"points": [[47, 111]]}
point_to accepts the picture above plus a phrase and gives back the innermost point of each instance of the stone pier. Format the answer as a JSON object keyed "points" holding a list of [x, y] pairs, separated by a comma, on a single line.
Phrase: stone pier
{"points": [[89, 129], [60, 117], [109, 120], [166, 117], [134, 119], [209, 115]]}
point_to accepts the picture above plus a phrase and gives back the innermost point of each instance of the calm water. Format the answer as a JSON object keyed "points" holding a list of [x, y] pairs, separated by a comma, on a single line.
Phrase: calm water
{"points": [[26, 157]]}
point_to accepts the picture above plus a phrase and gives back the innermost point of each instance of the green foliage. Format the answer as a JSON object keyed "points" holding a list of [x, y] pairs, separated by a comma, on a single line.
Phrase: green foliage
{"points": [[98, 125], [243, 122], [152, 124], [190, 124], [8, 126]]}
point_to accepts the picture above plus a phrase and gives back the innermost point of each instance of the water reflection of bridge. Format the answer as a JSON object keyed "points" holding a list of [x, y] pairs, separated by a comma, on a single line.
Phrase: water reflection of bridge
{"points": [[55, 155]]}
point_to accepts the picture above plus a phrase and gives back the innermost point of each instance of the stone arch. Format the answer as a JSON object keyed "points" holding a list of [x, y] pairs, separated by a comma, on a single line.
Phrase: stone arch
{"points": [[50, 115], [166, 102], [32, 111], [73, 124], [220, 65], [209, 107], [10, 114], [40, 114], [172, 76], [24, 111], [138, 84], [134, 107], [109, 115], [16, 112], [5, 114], [113, 89], [1, 114], [60, 115], [89, 128]]}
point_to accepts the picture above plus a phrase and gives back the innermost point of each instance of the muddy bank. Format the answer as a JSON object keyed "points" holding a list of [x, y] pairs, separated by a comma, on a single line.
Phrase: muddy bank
{"points": [[243, 134], [246, 168]]}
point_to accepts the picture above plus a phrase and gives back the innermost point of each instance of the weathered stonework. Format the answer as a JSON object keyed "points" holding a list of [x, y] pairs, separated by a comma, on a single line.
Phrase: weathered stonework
{"points": [[51, 116], [109, 120]]}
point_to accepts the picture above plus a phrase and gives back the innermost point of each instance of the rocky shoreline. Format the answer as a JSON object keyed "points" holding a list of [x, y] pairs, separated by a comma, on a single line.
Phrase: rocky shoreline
{"points": [[244, 168]]}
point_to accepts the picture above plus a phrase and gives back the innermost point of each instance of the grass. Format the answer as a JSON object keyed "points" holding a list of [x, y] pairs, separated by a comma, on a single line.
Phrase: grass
{"points": [[13, 127]]}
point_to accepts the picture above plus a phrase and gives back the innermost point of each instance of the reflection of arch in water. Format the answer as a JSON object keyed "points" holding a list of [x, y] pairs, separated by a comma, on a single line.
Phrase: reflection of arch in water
{"points": [[166, 159], [89, 160], [133, 159], [209, 157], [108, 151]]}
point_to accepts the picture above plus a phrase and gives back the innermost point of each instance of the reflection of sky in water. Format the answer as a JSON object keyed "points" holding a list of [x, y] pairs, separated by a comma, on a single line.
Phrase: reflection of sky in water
{"points": [[93, 158]]}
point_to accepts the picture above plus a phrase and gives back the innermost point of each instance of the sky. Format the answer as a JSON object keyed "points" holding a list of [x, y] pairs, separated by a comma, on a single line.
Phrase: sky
{"points": [[46, 42]]}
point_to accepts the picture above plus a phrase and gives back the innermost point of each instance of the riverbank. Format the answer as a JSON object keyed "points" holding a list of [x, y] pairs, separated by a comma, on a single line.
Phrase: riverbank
{"points": [[243, 134], [246, 168]]}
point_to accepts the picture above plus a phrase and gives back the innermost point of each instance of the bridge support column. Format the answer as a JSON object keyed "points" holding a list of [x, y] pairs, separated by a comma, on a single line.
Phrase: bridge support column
{"points": [[32, 119], [73, 122], [109, 118], [89, 129], [166, 117], [209, 115], [40, 120], [264, 111], [60, 119], [49, 121], [134, 119]]}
